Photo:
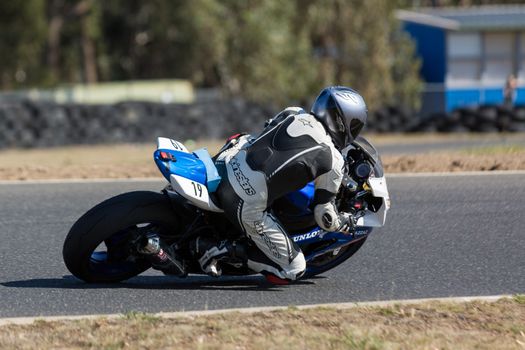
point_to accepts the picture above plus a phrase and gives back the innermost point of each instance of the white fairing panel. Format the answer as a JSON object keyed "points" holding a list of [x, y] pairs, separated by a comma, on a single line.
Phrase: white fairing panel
{"points": [[165, 143], [194, 192], [378, 186], [380, 190], [371, 219]]}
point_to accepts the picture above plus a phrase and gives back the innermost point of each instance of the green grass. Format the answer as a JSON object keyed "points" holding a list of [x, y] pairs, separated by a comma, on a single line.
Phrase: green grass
{"points": [[519, 298], [352, 341], [140, 316]]}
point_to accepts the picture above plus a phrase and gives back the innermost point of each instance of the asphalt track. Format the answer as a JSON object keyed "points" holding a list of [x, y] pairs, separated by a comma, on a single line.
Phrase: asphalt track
{"points": [[445, 236]]}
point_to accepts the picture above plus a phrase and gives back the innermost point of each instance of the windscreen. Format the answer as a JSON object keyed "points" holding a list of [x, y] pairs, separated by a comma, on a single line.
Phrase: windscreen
{"points": [[372, 153]]}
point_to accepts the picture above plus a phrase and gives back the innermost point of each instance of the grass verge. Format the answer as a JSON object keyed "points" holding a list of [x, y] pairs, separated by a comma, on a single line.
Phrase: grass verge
{"points": [[432, 325]]}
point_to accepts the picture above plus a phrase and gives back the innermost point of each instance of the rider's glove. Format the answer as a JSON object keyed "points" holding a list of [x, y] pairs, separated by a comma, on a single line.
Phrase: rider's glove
{"points": [[329, 219]]}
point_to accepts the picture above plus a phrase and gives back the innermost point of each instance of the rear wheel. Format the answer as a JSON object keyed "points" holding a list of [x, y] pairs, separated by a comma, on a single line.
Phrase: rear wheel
{"points": [[332, 259], [99, 246]]}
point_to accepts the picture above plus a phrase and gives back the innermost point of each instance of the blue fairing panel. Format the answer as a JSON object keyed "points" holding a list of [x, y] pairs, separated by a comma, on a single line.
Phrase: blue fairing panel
{"points": [[183, 164], [212, 175], [303, 198]]}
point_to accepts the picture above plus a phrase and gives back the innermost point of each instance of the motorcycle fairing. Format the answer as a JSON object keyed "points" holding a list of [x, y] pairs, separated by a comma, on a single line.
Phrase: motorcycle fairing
{"points": [[338, 239], [192, 175], [193, 191], [303, 198], [212, 175], [379, 189], [166, 143], [180, 163], [361, 143]]}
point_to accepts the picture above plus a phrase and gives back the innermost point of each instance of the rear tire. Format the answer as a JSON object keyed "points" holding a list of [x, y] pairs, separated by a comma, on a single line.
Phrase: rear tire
{"points": [[118, 215]]}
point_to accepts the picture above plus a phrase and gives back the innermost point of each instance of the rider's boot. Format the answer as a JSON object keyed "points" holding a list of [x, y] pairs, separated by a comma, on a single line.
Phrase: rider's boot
{"points": [[273, 279], [162, 256], [276, 280], [209, 252]]}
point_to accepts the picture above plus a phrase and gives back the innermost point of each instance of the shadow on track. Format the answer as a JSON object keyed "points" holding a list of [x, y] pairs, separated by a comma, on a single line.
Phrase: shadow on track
{"points": [[249, 283]]}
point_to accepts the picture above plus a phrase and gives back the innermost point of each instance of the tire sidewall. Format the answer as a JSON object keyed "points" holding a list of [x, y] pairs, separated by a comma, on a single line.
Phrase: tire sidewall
{"points": [[106, 219]]}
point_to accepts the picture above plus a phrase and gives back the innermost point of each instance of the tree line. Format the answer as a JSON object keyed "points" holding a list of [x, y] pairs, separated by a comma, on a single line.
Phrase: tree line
{"points": [[272, 51]]}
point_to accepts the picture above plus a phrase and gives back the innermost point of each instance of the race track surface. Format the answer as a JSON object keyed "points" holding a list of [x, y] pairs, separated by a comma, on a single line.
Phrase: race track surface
{"points": [[445, 236]]}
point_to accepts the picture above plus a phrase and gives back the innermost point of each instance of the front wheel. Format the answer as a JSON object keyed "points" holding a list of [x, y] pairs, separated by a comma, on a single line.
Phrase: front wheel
{"points": [[98, 248]]}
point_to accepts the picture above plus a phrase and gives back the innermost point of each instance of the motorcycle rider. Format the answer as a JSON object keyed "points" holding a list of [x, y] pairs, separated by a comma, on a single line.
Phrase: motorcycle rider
{"points": [[294, 149]]}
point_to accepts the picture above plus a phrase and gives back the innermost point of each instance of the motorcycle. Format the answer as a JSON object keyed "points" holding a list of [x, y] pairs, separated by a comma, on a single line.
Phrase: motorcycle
{"points": [[104, 245]]}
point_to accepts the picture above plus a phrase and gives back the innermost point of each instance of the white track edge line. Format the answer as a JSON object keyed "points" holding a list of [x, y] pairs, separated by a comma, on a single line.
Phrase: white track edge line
{"points": [[339, 306], [159, 179]]}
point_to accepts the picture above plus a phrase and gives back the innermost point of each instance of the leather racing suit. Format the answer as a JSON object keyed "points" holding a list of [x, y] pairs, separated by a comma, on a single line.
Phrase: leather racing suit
{"points": [[293, 150]]}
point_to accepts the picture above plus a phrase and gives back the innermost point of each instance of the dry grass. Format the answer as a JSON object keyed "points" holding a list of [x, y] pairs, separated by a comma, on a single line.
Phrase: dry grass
{"points": [[104, 161], [501, 159], [472, 325], [135, 160]]}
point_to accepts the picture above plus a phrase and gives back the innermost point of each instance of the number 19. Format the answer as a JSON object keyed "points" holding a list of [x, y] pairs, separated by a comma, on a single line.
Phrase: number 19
{"points": [[197, 188]]}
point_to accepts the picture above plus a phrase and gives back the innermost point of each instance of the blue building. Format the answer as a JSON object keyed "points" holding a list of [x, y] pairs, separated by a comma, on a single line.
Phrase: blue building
{"points": [[468, 53]]}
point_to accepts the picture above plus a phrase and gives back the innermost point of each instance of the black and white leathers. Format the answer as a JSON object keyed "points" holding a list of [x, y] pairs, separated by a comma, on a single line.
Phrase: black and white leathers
{"points": [[293, 150]]}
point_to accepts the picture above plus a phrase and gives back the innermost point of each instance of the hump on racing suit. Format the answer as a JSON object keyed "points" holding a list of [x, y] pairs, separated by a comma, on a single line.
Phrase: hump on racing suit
{"points": [[295, 149]]}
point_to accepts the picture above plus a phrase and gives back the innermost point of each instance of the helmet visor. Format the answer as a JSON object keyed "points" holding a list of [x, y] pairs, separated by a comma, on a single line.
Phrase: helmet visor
{"points": [[355, 127], [337, 127]]}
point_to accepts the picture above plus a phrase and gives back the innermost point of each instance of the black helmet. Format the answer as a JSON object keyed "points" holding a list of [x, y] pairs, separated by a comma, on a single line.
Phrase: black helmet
{"points": [[343, 113]]}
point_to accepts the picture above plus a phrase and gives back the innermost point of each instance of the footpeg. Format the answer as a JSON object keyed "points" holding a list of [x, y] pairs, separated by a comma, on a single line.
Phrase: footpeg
{"points": [[213, 269], [161, 256], [211, 254]]}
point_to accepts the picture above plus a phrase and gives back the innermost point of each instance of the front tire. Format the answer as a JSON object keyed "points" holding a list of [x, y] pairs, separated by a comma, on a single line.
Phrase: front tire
{"points": [[115, 220], [326, 262]]}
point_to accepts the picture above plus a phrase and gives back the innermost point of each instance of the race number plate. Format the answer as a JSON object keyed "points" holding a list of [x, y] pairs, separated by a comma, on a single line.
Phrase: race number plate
{"points": [[195, 192]]}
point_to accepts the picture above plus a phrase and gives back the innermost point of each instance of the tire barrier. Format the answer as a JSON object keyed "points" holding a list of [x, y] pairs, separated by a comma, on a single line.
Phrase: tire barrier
{"points": [[42, 124], [485, 118], [391, 119]]}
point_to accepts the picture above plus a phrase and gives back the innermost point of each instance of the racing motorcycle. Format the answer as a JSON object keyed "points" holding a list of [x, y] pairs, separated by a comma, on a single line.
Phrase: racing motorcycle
{"points": [[106, 244]]}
